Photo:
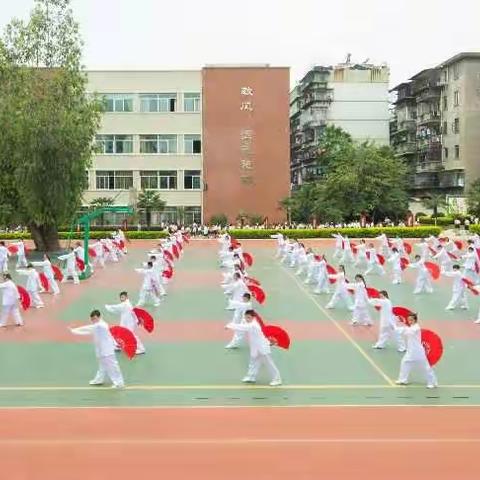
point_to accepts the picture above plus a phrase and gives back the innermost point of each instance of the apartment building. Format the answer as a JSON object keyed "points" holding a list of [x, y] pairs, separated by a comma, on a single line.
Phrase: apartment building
{"points": [[436, 126], [353, 97], [158, 126]]}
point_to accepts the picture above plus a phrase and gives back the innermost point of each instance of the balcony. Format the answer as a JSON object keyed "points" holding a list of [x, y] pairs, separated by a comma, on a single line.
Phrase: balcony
{"points": [[452, 179], [425, 180], [406, 126], [429, 166], [428, 118], [428, 94], [405, 148]]}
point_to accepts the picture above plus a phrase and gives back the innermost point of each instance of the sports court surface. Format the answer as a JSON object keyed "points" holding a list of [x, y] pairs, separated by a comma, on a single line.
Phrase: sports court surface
{"points": [[185, 413]]}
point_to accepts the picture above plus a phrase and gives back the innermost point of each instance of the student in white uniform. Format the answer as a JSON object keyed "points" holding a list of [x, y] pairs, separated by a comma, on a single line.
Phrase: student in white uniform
{"points": [[235, 290], [128, 319], [459, 289], [104, 349], [158, 264], [338, 245], [46, 264], [341, 291], [444, 259], [424, 249], [99, 258], [71, 266], [347, 256], [373, 262], [388, 321], [10, 302], [470, 264], [260, 350], [362, 259], [33, 284], [323, 282], [384, 243], [361, 315], [394, 260], [21, 257], [415, 356], [424, 281], [149, 286], [280, 244], [4, 254], [238, 317]]}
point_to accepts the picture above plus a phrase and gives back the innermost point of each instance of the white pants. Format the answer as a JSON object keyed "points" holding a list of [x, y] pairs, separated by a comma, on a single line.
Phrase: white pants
{"points": [[406, 367], [255, 364], [3, 265], [423, 284], [396, 276], [312, 272], [21, 261], [323, 285], [375, 268], [386, 333], [71, 272], [302, 266], [347, 257], [52, 283], [36, 300], [338, 252], [459, 299], [340, 295], [8, 310], [361, 315], [99, 260], [145, 294], [108, 367]]}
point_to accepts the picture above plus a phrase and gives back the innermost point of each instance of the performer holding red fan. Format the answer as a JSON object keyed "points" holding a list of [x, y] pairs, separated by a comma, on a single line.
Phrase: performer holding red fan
{"points": [[10, 301]]}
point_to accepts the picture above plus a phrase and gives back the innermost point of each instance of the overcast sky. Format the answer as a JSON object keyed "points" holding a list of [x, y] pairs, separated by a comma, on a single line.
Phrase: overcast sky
{"points": [[152, 34]]}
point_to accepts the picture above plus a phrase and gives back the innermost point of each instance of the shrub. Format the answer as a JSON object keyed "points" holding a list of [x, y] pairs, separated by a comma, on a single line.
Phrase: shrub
{"points": [[441, 221], [420, 214], [95, 235], [404, 232], [474, 229], [219, 219]]}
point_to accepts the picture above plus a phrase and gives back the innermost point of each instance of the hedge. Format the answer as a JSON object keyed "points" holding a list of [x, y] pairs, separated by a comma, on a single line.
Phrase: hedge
{"points": [[404, 232], [441, 221], [474, 229], [133, 235]]}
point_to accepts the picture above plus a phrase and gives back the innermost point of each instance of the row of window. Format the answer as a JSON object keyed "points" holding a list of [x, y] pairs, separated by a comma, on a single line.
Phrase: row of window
{"points": [[149, 144], [149, 179], [456, 100], [455, 127], [457, 152], [151, 102]]}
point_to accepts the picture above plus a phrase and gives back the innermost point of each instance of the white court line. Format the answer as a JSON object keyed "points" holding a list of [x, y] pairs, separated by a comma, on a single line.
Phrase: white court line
{"points": [[341, 329], [227, 441]]}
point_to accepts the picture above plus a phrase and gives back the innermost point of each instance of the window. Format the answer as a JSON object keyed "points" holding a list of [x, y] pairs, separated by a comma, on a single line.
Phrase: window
{"points": [[445, 102], [192, 215], [445, 128], [114, 179], [457, 151], [456, 98], [158, 102], [158, 180], [456, 71], [158, 144], [114, 144], [445, 153], [118, 102], [192, 144], [191, 102], [456, 126], [191, 180]]}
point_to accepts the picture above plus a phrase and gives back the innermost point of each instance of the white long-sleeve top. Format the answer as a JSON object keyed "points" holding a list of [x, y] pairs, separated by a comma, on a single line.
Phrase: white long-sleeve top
{"points": [[46, 266], [70, 258], [33, 279], [372, 255], [442, 256], [79, 252], [21, 248], [10, 293], [128, 319], [360, 297], [102, 338], [259, 344], [237, 289], [149, 278], [361, 250], [4, 253], [240, 309], [413, 337], [387, 318], [470, 260], [383, 240], [424, 249], [458, 284], [341, 283], [338, 240], [98, 247], [395, 261]]}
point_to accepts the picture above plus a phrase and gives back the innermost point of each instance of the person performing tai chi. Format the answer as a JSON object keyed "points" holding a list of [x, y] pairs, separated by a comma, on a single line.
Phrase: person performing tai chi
{"points": [[46, 264], [21, 256], [374, 265], [260, 350], [394, 259], [10, 302], [33, 285], [341, 291], [424, 281], [238, 317], [149, 286], [459, 289], [361, 315], [4, 254], [104, 349], [71, 266]]}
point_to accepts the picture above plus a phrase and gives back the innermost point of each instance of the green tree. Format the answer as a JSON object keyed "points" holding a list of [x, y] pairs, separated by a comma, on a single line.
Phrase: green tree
{"points": [[435, 201], [219, 219], [48, 121], [335, 144], [368, 179], [473, 198], [101, 202], [150, 201]]}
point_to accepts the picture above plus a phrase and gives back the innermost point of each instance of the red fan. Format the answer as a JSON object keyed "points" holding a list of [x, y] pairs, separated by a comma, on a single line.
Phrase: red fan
{"points": [[452, 256], [167, 274], [13, 249], [433, 346], [175, 251], [402, 313], [373, 292], [331, 271], [404, 263], [57, 273], [257, 293], [277, 336], [407, 247], [432, 251], [259, 319], [252, 280], [167, 255], [471, 286], [92, 253], [459, 244], [186, 238], [434, 270], [125, 339], [121, 244], [354, 247], [381, 259], [234, 243], [25, 299], [44, 281], [144, 319], [317, 258], [80, 264], [248, 259], [106, 249]]}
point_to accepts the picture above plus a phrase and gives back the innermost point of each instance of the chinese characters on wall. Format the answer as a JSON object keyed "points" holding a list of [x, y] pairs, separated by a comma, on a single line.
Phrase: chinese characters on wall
{"points": [[247, 160]]}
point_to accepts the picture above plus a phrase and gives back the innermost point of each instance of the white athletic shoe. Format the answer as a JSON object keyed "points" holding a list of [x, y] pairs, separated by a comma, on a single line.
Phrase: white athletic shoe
{"points": [[118, 385], [431, 385], [275, 383], [248, 380], [399, 382], [95, 382], [477, 320]]}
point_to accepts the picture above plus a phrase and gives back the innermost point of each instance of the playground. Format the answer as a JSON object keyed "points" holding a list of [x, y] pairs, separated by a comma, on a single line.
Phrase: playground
{"points": [[185, 399]]}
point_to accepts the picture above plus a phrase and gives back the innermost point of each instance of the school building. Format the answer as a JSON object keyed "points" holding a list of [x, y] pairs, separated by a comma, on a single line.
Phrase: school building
{"points": [[210, 142]]}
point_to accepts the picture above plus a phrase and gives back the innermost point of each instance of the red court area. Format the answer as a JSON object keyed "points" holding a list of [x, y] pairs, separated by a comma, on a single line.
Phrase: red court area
{"points": [[240, 443]]}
